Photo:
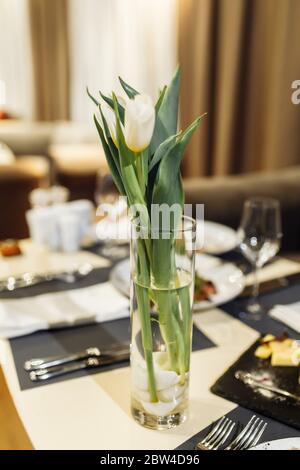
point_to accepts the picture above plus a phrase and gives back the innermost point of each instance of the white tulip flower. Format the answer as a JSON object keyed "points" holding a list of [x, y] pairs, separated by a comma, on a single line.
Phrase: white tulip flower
{"points": [[139, 122]]}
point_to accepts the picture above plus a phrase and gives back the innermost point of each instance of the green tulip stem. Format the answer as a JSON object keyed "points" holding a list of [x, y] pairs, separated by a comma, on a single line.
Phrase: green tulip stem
{"points": [[140, 171], [184, 298], [144, 314], [143, 306]]}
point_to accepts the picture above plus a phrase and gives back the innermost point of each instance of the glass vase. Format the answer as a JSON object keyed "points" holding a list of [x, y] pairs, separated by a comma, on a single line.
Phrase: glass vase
{"points": [[162, 286]]}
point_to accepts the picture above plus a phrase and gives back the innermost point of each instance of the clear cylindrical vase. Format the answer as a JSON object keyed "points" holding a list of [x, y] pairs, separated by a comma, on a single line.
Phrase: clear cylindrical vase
{"points": [[162, 286]]}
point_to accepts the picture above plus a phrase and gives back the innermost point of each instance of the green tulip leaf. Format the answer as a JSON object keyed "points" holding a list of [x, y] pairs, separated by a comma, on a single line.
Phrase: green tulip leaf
{"points": [[92, 97], [110, 103], [130, 92], [165, 189], [113, 149], [110, 160], [167, 114], [168, 111], [162, 150], [160, 98]]}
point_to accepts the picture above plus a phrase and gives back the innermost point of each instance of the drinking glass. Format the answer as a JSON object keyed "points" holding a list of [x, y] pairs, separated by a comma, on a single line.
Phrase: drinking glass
{"points": [[259, 236], [161, 301], [107, 193]]}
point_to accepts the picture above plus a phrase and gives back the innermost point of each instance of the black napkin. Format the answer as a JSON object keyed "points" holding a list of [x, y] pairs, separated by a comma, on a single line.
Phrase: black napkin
{"points": [[241, 416], [71, 340]]}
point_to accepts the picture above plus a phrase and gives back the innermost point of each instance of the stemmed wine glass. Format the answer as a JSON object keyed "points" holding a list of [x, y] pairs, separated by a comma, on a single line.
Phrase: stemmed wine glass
{"points": [[259, 236], [107, 193]]}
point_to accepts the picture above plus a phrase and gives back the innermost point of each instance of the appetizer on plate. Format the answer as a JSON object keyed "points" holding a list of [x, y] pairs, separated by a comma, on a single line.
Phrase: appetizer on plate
{"points": [[204, 289], [10, 248]]}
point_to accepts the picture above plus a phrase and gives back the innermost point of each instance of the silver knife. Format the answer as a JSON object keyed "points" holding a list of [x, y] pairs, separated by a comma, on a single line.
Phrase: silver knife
{"points": [[91, 362], [248, 379], [52, 361]]}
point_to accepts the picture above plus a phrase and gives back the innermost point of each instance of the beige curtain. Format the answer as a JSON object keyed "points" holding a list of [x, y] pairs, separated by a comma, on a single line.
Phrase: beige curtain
{"points": [[49, 42], [134, 39], [239, 59]]}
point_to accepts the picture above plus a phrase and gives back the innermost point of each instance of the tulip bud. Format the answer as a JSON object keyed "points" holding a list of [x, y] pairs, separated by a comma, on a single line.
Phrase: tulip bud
{"points": [[110, 119], [139, 122]]}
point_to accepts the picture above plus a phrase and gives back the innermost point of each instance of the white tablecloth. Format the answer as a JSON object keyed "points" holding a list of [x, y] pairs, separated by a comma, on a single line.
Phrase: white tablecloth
{"points": [[93, 412]]}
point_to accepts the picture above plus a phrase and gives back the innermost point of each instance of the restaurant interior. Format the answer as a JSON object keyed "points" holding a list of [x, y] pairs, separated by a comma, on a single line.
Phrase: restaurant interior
{"points": [[72, 275]]}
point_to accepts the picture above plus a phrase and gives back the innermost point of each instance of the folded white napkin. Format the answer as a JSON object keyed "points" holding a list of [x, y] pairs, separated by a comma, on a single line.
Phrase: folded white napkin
{"points": [[288, 314], [79, 306]]}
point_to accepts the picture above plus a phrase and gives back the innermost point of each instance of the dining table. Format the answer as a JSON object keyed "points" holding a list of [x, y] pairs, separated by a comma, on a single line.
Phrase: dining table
{"points": [[92, 410]]}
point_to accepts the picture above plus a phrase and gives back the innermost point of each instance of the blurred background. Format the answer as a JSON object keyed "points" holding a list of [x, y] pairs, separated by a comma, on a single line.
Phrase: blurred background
{"points": [[239, 59]]}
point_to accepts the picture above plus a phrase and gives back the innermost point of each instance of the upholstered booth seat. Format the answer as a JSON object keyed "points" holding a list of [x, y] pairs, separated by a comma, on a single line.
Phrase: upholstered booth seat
{"points": [[26, 137], [76, 167], [223, 198], [16, 182], [73, 150]]}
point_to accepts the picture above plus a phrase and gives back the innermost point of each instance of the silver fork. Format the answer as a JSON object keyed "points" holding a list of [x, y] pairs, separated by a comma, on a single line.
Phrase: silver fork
{"points": [[249, 436], [218, 435]]}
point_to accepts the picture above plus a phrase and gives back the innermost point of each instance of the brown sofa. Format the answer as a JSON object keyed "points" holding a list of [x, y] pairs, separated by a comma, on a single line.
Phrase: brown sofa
{"points": [[73, 150], [16, 182], [223, 198]]}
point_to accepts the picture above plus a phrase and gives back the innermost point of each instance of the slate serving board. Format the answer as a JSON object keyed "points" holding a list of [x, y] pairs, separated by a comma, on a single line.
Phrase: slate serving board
{"points": [[285, 410]]}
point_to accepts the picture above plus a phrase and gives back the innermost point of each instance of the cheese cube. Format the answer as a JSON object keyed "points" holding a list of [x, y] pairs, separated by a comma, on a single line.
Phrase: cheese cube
{"points": [[282, 358], [263, 351], [277, 346]]}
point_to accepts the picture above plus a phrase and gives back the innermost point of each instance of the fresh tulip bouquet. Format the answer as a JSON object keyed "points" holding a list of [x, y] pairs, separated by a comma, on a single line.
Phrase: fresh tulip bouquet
{"points": [[144, 150]]}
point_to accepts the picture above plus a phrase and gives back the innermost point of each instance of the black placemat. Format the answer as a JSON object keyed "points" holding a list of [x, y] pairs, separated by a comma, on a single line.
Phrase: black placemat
{"points": [[282, 409], [241, 416], [68, 340], [284, 295], [96, 276]]}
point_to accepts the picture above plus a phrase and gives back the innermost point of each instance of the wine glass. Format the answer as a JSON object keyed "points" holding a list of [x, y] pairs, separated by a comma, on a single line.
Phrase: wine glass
{"points": [[107, 194], [259, 236], [106, 191]]}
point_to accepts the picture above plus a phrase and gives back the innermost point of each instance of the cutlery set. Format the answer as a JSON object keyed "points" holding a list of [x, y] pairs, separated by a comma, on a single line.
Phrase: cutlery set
{"points": [[46, 368], [220, 433], [41, 369], [30, 279]]}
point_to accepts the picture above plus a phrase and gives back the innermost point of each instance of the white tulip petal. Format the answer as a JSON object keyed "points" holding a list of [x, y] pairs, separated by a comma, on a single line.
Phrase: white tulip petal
{"points": [[160, 408], [164, 378], [172, 393], [139, 122], [110, 119], [161, 359], [141, 395], [139, 377]]}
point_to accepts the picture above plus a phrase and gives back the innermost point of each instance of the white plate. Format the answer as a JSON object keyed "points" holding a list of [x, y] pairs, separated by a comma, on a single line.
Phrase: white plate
{"points": [[212, 238], [228, 279], [280, 444], [215, 238]]}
